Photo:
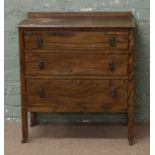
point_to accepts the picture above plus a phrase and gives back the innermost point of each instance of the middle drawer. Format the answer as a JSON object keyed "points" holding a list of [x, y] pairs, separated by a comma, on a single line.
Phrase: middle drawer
{"points": [[75, 63]]}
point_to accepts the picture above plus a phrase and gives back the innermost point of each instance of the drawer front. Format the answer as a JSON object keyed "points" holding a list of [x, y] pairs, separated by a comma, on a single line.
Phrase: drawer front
{"points": [[75, 63], [78, 95], [65, 39]]}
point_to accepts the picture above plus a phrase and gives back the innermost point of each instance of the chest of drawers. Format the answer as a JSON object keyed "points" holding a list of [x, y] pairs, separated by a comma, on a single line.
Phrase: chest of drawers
{"points": [[76, 62]]}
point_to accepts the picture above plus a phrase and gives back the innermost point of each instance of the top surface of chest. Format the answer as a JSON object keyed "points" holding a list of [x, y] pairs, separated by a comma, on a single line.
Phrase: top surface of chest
{"points": [[79, 20]]}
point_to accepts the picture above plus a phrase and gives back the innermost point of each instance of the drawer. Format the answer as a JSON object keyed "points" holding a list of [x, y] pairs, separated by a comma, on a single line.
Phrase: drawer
{"points": [[67, 39], [78, 95], [75, 63]]}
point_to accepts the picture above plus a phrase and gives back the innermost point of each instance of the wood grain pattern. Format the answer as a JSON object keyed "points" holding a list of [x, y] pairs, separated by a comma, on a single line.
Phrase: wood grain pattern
{"points": [[89, 51], [130, 88], [77, 77], [78, 95], [76, 40], [22, 86], [75, 63], [93, 110], [79, 20], [78, 14]]}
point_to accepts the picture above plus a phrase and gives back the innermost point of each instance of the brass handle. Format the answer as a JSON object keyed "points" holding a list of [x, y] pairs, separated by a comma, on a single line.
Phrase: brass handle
{"points": [[112, 42], [41, 92], [113, 92], [40, 64], [40, 42], [112, 66]]}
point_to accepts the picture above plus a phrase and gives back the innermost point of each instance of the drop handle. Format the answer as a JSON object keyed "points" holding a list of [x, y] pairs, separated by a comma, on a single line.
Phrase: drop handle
{"points": [[112, 66], [112, 42], [40, 64], [40, 41], [113, 92], [41, 92]]}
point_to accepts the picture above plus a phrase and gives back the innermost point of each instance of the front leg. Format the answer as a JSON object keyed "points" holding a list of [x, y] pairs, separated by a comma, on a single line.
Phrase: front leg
{"points": [[130, 114], [130, 88], [24, 126], [130, 128]]}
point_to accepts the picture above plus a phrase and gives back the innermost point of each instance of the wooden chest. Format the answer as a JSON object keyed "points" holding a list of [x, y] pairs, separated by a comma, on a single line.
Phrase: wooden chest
{"points": [[76, 62]]}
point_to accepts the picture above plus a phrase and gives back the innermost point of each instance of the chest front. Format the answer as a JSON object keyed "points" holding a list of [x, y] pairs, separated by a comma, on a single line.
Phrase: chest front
{"points": [[78, 64]]}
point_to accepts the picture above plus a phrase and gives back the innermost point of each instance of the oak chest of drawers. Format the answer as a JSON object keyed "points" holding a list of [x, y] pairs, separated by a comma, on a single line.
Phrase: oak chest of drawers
{"points": [[76, 62]]}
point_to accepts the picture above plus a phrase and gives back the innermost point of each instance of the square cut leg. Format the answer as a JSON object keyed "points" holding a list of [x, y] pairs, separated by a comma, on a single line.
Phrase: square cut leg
{"points": [[130, 126], [130, 134], [24, 126]]}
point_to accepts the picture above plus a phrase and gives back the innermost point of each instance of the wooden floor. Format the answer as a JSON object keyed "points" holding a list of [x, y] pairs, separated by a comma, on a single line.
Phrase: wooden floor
{"points": [[65, 139]]}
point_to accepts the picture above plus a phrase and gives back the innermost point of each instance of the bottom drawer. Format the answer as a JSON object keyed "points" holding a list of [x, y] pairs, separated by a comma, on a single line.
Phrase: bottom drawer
{"points": [[77, 95]]}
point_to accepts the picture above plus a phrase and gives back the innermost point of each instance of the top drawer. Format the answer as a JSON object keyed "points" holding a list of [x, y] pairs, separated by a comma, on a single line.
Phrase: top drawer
{"points": [[71, 39]]}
